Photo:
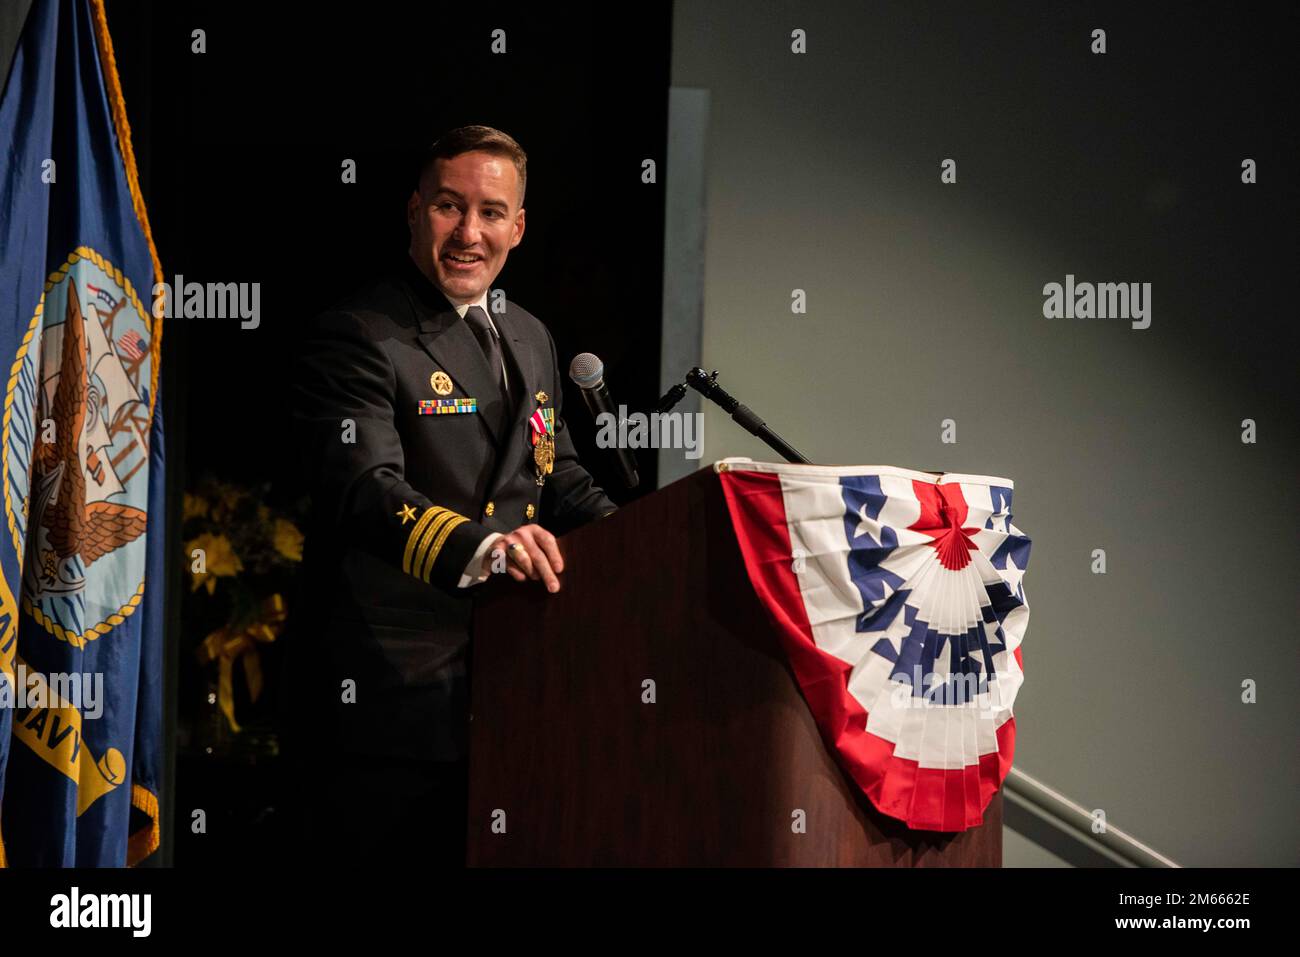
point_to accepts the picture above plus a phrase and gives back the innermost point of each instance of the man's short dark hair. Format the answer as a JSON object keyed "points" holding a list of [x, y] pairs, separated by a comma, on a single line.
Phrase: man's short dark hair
{"points": [[485, 139]]}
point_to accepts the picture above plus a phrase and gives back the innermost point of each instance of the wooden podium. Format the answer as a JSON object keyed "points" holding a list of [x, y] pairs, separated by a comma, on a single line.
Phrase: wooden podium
{"points": [[568, 756]]}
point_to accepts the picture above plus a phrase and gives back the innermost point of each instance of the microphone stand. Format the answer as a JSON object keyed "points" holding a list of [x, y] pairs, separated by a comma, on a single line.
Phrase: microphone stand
{"points": [[707, 385]]}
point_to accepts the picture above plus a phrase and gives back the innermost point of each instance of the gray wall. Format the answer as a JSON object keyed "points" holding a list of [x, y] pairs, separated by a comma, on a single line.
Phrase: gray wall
{"points": [[13, 14], [925, 303]]}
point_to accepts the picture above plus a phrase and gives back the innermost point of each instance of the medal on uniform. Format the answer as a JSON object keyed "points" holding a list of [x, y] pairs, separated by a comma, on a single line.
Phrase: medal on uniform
{"points": [[543, 436], [441, 382]]}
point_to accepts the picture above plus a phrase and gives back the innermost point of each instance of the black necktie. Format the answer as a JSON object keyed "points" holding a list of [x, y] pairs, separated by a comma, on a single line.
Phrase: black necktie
{"points": [[489, 343]]}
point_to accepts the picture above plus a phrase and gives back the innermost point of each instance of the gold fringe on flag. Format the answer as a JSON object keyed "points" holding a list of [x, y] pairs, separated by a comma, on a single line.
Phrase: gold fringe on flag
{"points": [[118, 107], [145, 841]]}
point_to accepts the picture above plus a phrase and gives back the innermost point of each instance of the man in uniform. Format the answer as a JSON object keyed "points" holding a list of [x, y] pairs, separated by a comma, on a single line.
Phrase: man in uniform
{"points": [[430, 416]]}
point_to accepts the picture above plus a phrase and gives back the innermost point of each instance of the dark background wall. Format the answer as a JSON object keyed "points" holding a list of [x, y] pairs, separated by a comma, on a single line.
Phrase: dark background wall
{"points": [[925, 304], [240, 152], [241, 149]]}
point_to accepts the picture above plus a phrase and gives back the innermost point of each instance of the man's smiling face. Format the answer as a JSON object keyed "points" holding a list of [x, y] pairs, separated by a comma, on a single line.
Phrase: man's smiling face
{"points": [[464, 220]]}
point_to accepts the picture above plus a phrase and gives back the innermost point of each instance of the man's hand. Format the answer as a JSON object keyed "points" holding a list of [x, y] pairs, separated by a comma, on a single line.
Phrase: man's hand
{"points": [[531, 552]]}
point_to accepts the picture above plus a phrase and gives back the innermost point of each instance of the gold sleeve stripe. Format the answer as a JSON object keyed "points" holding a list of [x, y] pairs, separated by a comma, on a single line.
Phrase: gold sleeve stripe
{"points": [[422, 550], [437, 545], [429, 515]]}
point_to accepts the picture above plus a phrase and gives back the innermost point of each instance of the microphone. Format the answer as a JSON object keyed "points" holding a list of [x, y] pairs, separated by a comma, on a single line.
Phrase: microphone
{"points": [[588, 374], [707, 385]]}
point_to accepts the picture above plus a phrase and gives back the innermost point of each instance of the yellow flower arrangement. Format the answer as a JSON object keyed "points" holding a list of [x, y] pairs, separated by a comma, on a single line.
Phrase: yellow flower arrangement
{"points": [[249, 548], [193, 506], [287, 539], [219, 561]]}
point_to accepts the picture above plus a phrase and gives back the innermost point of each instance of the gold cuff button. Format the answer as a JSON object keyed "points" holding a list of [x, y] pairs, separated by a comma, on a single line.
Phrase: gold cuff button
{"points": [[491, 507], [529, 512]]}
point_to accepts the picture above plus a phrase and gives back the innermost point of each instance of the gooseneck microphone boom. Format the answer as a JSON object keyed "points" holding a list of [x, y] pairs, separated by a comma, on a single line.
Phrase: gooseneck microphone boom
{"points": [[707, 385], [588, 374]]}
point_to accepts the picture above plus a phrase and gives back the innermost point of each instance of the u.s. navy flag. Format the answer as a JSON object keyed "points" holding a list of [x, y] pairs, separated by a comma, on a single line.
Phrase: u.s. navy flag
{"points": [[898, 598], [81, 549]]}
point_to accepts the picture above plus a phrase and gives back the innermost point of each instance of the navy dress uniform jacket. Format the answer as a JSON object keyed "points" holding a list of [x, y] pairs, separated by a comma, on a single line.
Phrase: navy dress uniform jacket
{"points": [[401, 501]]}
